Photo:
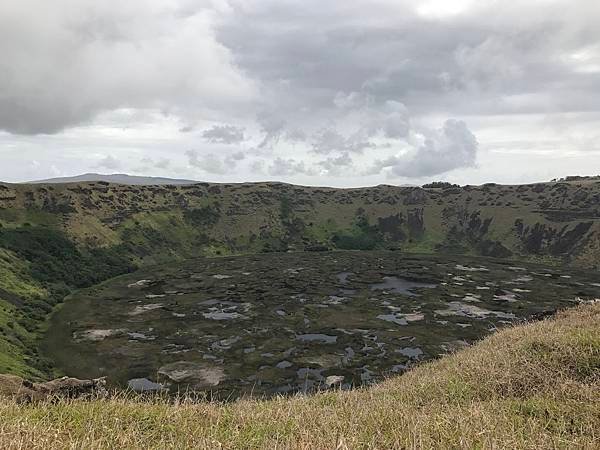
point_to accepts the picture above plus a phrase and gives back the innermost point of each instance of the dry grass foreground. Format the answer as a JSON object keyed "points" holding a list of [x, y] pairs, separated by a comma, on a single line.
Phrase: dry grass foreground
{"points": [[531, 386]]}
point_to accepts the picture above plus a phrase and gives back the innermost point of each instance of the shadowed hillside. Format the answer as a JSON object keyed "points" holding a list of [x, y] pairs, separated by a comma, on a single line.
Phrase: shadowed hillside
{"points": [[553, 221]]}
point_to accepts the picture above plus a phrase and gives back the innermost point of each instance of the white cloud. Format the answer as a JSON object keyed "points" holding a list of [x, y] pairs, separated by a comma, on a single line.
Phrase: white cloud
{"points": [[289, 167], [209, 163], [343, 93], [224, 134], [109, 162], [446, 149], [65, 62]]}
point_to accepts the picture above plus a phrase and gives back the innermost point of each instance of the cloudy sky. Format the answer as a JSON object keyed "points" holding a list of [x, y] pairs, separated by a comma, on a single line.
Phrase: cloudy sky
{"points": [[317, 92]]}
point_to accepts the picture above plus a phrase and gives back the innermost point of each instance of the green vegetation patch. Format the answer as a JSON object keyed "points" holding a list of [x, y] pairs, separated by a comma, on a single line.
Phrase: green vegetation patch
{"points": [[19, 297], [55, 260], [362, 236], [38, 267], [204, 216], [14, 218]]}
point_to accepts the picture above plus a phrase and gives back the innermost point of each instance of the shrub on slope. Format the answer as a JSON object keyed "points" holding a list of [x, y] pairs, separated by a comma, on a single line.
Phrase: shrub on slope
{"points": [[38, 268], [55, 259]]}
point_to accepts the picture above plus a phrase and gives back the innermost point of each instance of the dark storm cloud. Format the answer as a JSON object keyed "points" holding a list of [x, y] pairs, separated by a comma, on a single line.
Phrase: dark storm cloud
{"points": [[390, 52], [67, 61], [379, 63]]}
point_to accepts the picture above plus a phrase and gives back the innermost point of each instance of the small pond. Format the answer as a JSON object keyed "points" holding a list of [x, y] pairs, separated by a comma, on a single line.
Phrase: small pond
{"points": [[283, 323]]}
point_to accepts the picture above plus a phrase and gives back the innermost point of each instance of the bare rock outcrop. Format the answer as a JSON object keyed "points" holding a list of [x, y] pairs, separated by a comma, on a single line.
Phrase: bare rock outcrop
{"points": [[25, 391]]}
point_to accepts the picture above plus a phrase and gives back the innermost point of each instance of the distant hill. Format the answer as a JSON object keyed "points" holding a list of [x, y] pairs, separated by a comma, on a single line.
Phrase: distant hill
{"points": [[117, 178]]}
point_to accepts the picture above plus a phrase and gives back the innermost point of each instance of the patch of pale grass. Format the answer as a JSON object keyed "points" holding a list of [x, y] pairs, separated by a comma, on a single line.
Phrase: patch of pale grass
{"points": [[531, 386]]}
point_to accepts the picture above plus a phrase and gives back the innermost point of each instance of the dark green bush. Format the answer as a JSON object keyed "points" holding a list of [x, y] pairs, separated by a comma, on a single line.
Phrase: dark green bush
{"points": [[55, 260], [202, 217], [362, 236]]}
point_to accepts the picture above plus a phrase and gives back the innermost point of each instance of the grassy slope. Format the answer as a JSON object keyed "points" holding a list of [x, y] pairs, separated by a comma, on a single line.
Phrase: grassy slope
{"points": [[251, 218], [531, 386], [14, 339], [41, 267]]}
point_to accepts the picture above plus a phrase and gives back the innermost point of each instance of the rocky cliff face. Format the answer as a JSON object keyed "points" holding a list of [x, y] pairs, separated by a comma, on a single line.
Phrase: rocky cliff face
{"points": [[25, 391], [554, 221], [58, 237]]}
